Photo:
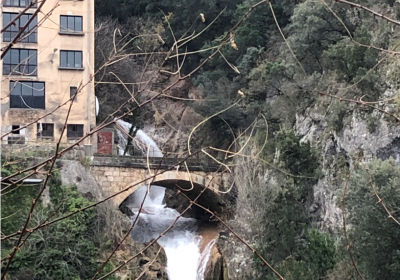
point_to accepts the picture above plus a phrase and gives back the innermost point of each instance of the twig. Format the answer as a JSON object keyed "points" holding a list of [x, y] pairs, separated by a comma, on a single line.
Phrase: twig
{"points": [[17, 245]]}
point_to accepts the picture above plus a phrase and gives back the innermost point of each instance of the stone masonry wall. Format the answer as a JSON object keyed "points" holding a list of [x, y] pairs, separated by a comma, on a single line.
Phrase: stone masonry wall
{"points": [[113, 179]]}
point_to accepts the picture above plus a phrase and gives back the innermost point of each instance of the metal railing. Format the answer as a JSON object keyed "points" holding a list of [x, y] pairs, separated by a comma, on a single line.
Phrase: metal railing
{"points": [[137, 157], [134, 151]]}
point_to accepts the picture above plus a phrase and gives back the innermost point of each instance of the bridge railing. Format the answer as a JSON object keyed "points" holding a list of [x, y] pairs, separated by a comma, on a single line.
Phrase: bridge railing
{"points": [[152, 158], [134, 151]]}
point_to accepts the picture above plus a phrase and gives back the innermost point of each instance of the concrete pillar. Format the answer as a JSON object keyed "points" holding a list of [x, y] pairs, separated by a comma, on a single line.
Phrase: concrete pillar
{"points": [[88, 148]]}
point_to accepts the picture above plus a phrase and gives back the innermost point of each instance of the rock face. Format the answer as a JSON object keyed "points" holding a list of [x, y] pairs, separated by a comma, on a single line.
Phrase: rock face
{"points": [[210, 236], [339, 151], [342, 148], [74, 173], [237, 258], [169, 120], [214, 270]]}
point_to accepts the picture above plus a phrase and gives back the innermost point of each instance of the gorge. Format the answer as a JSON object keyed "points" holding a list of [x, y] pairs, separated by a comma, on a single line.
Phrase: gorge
{"points": [[280, 118]]}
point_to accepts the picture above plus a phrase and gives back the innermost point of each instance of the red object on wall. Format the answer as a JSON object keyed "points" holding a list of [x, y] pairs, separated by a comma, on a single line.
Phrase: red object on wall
{"points": [[104, 142]]}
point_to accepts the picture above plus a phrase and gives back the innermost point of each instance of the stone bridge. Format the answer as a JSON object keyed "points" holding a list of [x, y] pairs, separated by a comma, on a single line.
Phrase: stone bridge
{"points": [[114, 174]]}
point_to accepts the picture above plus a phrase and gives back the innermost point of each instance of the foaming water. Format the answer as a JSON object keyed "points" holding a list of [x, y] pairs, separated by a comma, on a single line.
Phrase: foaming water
{"points": [[203, 261], [183, 252], [141, 140], [181, 242]]}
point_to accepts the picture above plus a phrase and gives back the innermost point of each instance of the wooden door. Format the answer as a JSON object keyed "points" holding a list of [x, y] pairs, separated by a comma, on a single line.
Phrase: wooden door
{"points": [[104, 142]]}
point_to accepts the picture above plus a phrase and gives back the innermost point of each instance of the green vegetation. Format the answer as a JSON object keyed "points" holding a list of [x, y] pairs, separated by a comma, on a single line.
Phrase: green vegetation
{"points": [[375, 237], [287, 215], [339, 49], [68, 244], [69, 249], [315, 257], [15, 200]]}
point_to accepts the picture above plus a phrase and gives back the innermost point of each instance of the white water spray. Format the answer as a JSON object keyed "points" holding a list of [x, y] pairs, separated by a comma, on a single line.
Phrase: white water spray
{"points": [[181, 243], [141, 140]]}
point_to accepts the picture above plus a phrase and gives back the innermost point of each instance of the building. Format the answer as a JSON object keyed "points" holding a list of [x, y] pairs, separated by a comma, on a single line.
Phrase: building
{"points": [[42, 72]]}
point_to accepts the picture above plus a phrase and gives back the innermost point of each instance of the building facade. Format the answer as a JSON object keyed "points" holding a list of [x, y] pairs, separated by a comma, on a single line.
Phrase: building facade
{"points": [[52, 61]]}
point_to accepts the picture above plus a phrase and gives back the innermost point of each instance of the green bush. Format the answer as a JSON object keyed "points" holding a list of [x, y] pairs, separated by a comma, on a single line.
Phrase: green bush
{"points": [[66, 248], [374, 237], [287, 238], [316, 257]]}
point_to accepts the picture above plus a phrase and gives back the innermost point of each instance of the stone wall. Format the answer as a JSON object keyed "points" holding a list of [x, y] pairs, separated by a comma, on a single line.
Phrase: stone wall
{"points": [[115, 179], [128, 174], [40, 151]]}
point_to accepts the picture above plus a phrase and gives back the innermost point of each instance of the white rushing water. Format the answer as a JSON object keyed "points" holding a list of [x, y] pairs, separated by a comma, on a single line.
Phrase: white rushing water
{"points": [[181, 243], [141, 141]]}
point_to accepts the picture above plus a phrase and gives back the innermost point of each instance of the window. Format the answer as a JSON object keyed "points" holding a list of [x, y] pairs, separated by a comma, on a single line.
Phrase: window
{"points": [[20, 62], [72, 92], [28, 36], [18, 3], [15, 127], [16, 140], [70, 24], [16, 137], [71, 59], [45, 130], [74, 131], [26, 94]]}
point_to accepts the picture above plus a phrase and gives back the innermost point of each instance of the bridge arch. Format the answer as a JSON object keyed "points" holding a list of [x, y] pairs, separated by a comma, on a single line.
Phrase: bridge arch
{"points": [[174, 199], [114, 176]]}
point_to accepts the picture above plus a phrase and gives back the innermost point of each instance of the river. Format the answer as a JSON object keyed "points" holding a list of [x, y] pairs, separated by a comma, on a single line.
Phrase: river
{"points": [[181, 243]]}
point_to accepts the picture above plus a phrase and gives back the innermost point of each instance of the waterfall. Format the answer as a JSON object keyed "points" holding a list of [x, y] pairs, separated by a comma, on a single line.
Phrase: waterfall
{"points": [[181, 243], [141, 141]]}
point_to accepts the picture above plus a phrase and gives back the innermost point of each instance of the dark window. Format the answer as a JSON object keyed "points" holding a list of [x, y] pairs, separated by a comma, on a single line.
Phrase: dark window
{"points": [[45, 130], [72, 92], [16, 140], [18, 3], [26, 94], [14, 127], [74, 130], [28, 36], [71, 59], [20, 62], [70, 24]]}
